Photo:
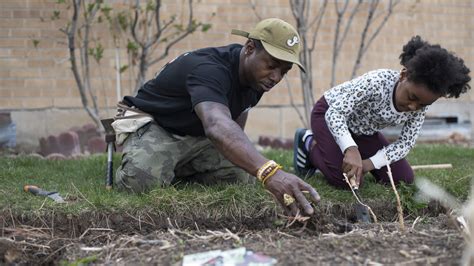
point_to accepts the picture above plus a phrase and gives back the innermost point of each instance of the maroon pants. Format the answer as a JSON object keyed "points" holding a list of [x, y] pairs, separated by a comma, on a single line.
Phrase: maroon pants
{"points": [[327, 156]]}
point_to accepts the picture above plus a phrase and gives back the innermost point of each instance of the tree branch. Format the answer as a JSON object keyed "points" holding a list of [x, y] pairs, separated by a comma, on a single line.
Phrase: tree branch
{"points": [[189, 29], [318, 19], [363, 47], [254, 8]]}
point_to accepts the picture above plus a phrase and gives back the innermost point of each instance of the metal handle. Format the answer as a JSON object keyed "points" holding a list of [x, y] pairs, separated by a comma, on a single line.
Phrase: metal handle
{"points": [[110, 175]]}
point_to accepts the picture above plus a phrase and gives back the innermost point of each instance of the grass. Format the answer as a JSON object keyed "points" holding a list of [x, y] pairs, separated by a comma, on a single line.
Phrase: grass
{"points": [[81, 182]]}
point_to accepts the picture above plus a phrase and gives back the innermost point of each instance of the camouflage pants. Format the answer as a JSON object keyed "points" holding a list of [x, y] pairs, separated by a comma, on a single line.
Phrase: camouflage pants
{"points": [[154, 157]]}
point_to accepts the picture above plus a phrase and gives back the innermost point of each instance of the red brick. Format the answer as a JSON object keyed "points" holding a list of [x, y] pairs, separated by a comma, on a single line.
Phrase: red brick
{"points": [[11, 23], [4, 52], [26, 92], [28, 33], [56, 92], [11, 103], [5, 93], [67, 102], [26, 14], [37, 102], [25, 73], [12, 43], [38, 83], [5, 14], [12, 83], [41, 63], [12, 63]]}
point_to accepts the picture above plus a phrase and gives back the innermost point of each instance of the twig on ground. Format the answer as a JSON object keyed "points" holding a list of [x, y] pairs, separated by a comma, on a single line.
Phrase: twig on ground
{"points": [[97, 248], [197, 227], [285, 234], [82, 195], [56, 251], [358, 199], [44, 201], [24, 243], [427, 260], [13, 219], [293, 219], [468, 212], [94, 229], [139, 220], [414, 222], [52, 224], [401, 220], [225, 236]]}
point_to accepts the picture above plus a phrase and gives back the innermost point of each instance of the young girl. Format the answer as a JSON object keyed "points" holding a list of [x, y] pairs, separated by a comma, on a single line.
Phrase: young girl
{"points": [[347, 119]]}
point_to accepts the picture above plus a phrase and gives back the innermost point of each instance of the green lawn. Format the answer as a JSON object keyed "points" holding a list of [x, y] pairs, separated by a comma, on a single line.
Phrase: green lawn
{"points": [[81, 182]]}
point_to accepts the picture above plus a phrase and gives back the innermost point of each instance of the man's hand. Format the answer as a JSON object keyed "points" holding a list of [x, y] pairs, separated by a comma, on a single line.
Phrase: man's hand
{"points": [[285, 183], [352, 164], [230, 140]]}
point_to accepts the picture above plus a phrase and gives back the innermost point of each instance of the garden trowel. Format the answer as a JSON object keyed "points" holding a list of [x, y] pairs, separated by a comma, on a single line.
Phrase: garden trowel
{"points": [[40, 192], [362, 212]]}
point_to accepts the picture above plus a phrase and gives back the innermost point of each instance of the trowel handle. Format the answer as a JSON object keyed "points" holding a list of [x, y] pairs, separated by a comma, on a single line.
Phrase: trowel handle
{"points": [[34, 190], [353, 182]]}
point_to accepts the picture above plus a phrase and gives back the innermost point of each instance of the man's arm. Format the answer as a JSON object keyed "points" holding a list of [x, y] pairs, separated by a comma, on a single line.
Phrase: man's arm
{"points": [[229, 139], [242, 119]]}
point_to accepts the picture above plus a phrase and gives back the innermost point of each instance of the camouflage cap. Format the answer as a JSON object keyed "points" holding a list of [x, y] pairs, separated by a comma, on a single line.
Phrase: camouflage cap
{"points": [[278, 38]]}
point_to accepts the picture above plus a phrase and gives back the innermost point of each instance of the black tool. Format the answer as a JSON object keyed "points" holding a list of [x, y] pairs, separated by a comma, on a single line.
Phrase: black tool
{"points": [[361, 210], [110, 140]]}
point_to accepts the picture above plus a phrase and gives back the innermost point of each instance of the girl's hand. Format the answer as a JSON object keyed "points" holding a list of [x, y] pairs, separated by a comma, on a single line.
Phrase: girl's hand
{"points": [[352, 164], [367, 166]]}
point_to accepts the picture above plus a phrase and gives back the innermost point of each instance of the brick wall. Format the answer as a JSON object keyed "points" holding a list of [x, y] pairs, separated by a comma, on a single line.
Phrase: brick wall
{"points": [[37, 86]]}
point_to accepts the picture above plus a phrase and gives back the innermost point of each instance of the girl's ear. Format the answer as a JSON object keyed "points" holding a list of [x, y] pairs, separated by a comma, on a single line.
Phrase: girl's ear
{"points": [[403, 74]]}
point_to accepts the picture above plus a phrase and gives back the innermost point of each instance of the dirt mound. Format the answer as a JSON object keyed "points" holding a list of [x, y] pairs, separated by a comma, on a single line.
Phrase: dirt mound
{"points": [[330, 237]]}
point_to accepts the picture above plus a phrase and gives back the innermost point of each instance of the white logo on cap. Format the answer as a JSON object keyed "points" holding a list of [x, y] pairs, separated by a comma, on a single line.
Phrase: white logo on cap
{"points": [[292, 42]]}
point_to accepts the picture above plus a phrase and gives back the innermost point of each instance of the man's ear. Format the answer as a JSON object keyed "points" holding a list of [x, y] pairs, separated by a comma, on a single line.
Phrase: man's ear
{"points": [[249, 47]]}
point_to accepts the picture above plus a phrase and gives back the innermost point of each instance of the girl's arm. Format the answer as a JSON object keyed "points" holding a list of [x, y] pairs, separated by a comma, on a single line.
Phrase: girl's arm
{"points": [[400, 148]]}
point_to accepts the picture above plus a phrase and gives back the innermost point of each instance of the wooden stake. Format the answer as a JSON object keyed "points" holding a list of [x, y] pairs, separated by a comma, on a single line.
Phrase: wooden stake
{"points": [[401, 220], [432, 166]]}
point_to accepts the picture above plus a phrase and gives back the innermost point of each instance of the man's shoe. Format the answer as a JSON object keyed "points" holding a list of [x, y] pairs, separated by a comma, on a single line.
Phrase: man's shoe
{"points": [[301, 161]]}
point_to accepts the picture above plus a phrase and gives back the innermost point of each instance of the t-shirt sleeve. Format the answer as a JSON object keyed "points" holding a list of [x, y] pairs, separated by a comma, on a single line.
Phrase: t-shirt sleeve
{"points": [[209, 82], [400, 148], [342, 100]]}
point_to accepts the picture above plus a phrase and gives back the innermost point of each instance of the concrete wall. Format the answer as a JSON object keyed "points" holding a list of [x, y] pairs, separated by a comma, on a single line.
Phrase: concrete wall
{"points": [[37, 86]]}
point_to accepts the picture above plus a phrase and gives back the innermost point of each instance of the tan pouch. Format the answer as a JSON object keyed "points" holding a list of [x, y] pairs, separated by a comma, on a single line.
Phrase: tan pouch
{"points": [[128, 120]]}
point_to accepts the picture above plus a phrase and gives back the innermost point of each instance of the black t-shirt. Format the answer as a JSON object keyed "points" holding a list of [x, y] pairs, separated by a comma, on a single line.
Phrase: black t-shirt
{"points": [[209, 74]]}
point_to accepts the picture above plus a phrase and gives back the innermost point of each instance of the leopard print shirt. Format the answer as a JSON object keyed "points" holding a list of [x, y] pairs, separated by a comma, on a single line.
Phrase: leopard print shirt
{"points": [[364, 106]]}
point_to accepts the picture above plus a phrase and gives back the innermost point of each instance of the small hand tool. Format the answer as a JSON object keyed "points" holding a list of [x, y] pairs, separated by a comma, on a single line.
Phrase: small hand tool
{"points": [[40, 192]]}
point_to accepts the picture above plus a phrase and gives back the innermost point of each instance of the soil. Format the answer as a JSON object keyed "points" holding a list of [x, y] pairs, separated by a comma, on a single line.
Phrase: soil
{"points": [[148, 238]]}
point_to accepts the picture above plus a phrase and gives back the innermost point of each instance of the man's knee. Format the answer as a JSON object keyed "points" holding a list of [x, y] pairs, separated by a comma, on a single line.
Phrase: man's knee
{"points": [[233, 175], [134, 180]]}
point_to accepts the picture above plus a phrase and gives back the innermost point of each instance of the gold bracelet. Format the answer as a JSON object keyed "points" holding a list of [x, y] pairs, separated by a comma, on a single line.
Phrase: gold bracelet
{"points": [[263, 168], [267, 170], [272, 172]]}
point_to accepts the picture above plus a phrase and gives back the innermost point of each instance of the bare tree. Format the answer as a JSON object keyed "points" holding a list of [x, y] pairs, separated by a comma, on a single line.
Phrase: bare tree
{"points": [[148, 31], [77, 28], [339, 40], [145, 27], [306, 26], [366, 39]]}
